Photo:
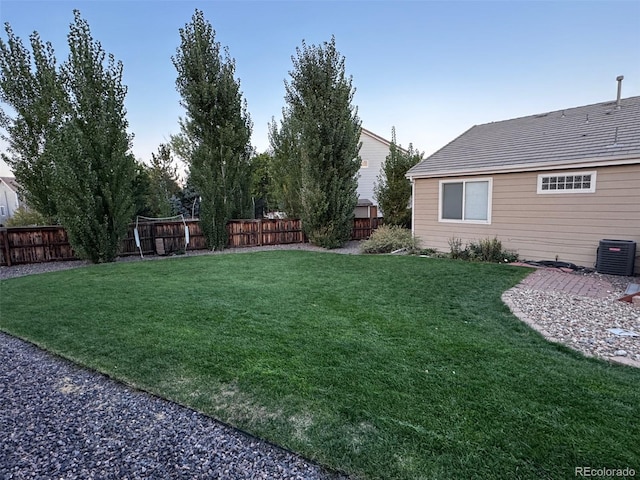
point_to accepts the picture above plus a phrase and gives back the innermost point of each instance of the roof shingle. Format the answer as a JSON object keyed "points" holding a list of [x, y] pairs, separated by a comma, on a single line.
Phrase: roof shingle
{"points": [[573, 135]]}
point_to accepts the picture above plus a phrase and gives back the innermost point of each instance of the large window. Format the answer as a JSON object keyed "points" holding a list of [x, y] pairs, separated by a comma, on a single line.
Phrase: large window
{"points": [[572, 182], [465, 200]]}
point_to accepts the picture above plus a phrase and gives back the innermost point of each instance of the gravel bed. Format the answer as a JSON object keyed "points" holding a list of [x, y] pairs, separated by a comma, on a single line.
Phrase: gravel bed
{"points": [[583, 322], [60, 421]]}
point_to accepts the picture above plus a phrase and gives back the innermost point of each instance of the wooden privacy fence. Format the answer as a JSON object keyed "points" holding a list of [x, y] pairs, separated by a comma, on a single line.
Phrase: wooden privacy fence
{"points": [[163, 237], [20, 245], [33, 245], [255, 233]]}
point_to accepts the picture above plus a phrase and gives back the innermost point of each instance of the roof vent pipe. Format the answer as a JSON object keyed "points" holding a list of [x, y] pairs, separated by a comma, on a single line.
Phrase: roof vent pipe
{"points": [[619, 79]]}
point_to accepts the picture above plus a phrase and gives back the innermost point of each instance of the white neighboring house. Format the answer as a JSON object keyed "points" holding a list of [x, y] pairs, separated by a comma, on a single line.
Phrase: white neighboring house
{"points": [[9, 198], [373, 153]]}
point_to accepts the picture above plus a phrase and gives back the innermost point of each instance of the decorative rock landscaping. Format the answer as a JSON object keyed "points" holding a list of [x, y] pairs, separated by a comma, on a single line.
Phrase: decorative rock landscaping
{"points": [[60, 421], [580, 311]]}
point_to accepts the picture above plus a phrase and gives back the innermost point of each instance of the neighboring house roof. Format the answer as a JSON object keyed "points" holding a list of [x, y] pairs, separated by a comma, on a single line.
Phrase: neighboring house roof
{"points": [[375, 137], [11, 183], [590, 135], [364, 202], [380, 139]]}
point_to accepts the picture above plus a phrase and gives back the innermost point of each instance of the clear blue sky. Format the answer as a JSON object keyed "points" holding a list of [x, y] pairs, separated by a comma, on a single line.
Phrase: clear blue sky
{"points": [[431, 69]]}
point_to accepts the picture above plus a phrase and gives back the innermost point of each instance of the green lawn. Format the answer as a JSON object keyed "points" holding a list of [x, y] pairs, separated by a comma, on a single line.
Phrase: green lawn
{"points": [[379, 366]]}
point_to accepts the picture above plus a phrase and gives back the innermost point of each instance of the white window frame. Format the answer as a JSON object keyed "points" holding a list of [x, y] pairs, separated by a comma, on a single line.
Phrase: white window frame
{"points": [[591, 189], [2, 211], [464, 181]]}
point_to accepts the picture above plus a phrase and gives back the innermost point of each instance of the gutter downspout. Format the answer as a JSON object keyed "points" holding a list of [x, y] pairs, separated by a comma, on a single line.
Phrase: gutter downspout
{"points": [[6, 200], [413, 206]]}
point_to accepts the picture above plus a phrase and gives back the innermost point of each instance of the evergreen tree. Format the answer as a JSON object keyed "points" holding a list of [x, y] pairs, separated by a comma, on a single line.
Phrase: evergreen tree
{"points": [[261, 183], [393, 189], [141, 186], [317, 145], [216, 131], [187, 201], [80, 148]]}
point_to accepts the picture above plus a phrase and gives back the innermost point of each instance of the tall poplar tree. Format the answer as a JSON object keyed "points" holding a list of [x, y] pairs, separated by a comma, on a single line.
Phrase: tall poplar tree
{"points": [[30, 85], [392, 189], [94, 168], [80, 149], [316, 147], [215, 133]]}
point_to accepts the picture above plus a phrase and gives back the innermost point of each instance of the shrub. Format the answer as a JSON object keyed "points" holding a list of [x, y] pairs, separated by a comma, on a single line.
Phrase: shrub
{"points": [[485, 250], [457, 252], [387, 239], [23, 217]]}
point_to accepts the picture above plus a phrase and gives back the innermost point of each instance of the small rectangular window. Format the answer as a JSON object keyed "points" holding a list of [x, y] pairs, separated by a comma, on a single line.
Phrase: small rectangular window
{"points": [[2, 211], [567, 183], [364, 164]]}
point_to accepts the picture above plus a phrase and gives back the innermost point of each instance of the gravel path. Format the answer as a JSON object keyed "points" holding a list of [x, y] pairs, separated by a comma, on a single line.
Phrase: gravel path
{"points": [[60, 421]]}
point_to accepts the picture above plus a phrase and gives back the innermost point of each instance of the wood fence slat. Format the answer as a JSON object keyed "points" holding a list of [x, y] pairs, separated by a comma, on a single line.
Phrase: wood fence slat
{"points": [[20, 245], [6, 252]]}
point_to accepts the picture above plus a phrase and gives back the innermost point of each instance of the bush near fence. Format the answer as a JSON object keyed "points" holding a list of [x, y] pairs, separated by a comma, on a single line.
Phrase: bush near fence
{"points": [[20, 245]]}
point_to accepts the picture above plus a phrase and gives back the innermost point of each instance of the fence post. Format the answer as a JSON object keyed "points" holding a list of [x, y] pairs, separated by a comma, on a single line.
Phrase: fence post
{"points": [[259, 232], [5, 246]]}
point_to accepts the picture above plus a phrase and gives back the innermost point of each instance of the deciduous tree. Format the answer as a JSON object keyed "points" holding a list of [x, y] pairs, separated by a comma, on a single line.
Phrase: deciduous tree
{"points": [[79, 145], [216, 130], [286, 166], [31, 88], [317, 144], [163, 182], [94, 168]]}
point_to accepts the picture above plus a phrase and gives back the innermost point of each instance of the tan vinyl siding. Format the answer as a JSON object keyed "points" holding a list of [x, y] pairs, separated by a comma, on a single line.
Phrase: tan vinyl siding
{"points": [[568, 226]]}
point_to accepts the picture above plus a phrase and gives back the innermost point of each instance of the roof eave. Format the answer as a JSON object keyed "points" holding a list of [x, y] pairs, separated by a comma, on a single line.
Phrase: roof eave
{"points": [[529, 167], [382, 140], [14, 187]]}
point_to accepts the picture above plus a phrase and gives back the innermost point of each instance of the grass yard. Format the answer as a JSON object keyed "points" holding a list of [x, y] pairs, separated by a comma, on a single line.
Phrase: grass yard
{"points": [[379, 366]]}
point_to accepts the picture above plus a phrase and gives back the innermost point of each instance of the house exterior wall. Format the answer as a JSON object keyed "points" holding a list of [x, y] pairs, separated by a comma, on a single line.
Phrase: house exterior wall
{"points": [[568, 226], [8, 202], [373, 152]]}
